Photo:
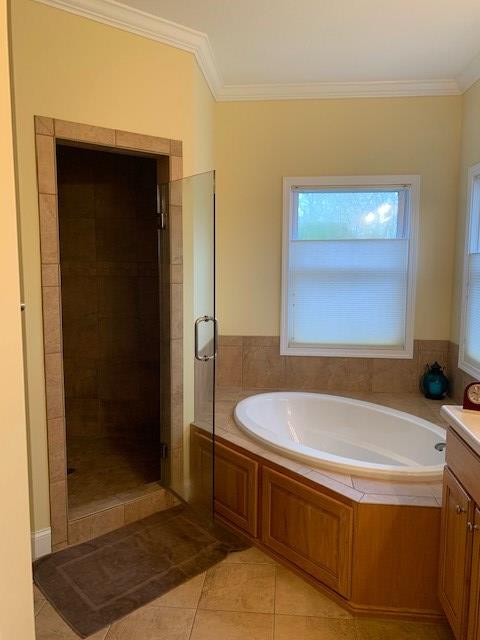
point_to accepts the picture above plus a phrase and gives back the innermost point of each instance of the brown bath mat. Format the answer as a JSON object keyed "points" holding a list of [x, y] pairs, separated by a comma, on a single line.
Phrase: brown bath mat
{"points": [[97, 582]]}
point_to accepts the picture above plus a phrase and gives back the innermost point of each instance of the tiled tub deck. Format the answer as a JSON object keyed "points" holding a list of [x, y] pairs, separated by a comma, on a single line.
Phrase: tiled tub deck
{"points": [[357, 488]]}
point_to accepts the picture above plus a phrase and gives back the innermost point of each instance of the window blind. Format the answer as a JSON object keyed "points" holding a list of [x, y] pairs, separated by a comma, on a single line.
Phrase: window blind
{"points": [[472, 312], [348, 293]]}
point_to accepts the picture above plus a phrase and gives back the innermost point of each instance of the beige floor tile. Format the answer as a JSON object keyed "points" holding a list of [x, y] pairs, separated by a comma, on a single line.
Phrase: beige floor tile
{"points": [[232, 625], [239, 587], [373, 629], [186, 596], [311, 628], [38, 599], [49, 626], [154, 623], [249, 556], [294, 596]]}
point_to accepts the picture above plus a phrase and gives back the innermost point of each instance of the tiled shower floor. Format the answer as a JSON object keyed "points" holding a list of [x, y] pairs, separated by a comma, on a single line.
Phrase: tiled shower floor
{"points": [[109, 466]]}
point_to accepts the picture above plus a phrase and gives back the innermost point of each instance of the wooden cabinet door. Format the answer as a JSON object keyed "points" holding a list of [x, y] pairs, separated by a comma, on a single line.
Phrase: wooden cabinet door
{"points": [[455, 553], [236, 488], [201, 469], [474, 610], [308, 528]]}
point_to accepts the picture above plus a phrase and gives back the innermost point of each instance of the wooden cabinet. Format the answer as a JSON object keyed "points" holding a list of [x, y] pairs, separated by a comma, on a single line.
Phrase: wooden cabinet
{"points": [[474, 616], [236, 488], [364, 554], [454, 556], [395, 558], [201, 469], [236, 481], [459, 575], [308, 528]]}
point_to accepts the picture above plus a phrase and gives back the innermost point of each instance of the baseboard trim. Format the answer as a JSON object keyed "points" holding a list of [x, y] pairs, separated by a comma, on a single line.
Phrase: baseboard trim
{"points": [[41, 543]]}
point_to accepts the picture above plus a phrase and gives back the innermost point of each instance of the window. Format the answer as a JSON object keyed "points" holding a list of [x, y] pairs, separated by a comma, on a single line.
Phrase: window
{"points": [[469, 353], [349, 251]]}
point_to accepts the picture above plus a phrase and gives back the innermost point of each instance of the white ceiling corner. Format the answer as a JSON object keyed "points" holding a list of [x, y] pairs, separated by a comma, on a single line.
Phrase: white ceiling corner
{"points": [[155, 27], [470, 74]]}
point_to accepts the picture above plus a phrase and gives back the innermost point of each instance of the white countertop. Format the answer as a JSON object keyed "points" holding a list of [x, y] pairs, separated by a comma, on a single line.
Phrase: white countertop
{"points": [[465, 423]]}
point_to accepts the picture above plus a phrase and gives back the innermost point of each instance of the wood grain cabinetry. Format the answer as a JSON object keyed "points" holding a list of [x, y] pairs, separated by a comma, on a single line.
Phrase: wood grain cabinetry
{"points": [[236, 488], [372, 558], [311, 530], [454, 555], [459, 579], [201, 469], [395, 558], [474, 615], [235, 484]]}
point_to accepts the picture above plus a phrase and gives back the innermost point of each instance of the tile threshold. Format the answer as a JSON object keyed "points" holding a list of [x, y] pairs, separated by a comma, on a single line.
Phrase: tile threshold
{"points": [[99, 506]]}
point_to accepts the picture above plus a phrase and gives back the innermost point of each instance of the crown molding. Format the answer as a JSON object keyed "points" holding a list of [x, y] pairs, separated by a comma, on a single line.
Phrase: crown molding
{"points": [[116, 14], [470, 74], [317, 90], [124, 17]]}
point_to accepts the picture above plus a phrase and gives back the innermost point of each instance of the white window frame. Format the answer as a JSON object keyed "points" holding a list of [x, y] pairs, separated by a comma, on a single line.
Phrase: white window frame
{"points": [[412, 182], [472, 241]]}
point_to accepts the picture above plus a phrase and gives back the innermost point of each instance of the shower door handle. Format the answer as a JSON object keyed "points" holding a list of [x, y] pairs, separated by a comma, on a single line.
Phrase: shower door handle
{"points": [[198, 322]]}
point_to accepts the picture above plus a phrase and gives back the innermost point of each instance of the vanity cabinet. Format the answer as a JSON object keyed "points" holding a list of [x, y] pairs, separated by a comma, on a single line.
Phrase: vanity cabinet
{"points": [[454, 565], [474, 614], [311, 530], [459, 579]]}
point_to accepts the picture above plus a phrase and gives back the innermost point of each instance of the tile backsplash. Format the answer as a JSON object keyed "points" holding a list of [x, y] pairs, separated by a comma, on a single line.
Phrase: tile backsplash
{"points": [[254, 362]]}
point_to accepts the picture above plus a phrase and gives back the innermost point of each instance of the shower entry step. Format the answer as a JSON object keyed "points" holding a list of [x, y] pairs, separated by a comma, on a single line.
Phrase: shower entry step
{"points": [[96, 518]]}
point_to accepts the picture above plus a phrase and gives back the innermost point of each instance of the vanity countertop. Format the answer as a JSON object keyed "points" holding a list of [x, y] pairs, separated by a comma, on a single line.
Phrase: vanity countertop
{"points": [[465, 423]]}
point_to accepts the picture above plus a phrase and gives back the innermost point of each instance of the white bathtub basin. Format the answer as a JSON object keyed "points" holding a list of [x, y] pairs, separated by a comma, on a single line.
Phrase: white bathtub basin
{"points": [[345, 435]]}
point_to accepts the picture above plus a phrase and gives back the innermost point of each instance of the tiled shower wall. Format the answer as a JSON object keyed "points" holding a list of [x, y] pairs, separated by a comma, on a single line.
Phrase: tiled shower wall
{"points": [[254, 362], [110, 297]]}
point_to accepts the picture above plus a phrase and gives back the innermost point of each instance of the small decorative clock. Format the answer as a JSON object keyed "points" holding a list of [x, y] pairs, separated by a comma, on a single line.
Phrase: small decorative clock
{"points": [[471, 397]]}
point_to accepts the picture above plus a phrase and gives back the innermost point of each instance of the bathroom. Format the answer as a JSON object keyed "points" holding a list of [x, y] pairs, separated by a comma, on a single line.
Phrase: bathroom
{"points": [[166, 269]]}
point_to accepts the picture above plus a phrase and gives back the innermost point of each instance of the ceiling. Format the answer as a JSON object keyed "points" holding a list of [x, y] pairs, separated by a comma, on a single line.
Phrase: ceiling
{"points": [[298, 41], [299, 46]]}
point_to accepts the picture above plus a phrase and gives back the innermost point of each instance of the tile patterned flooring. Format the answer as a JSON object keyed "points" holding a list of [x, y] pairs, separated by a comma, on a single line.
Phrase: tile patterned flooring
{"points": [[247, 595], [105, 467]]}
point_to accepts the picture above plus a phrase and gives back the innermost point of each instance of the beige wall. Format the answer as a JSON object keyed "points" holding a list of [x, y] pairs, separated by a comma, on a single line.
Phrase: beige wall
{"points": [[259, 142], [469, 155], [93, 73], [76, 69], [16, 605]]}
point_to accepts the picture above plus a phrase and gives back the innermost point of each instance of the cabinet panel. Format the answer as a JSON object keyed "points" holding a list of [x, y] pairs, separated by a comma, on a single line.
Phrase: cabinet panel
{"points": [[236, 488], [308, 528], [465, 464], [455, 553], [201, 469], [393, 544], [474, 615]]}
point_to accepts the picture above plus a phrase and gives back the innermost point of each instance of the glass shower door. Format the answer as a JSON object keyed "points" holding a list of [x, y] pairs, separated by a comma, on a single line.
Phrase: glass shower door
{"points": [[187, 260]]}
